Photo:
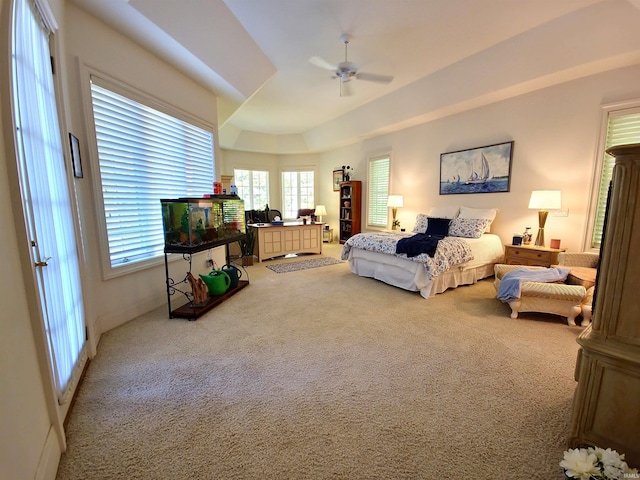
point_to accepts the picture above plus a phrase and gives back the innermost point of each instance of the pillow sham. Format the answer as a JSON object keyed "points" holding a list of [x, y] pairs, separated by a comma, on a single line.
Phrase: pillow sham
{"points": [[444, 212], [421, 223], [488, 213], [468, 227], [438, 226]]}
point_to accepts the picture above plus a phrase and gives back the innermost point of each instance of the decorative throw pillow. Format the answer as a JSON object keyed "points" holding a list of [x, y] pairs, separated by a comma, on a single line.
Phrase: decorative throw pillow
{"points": [[488, 213], [438, 227], [468, 227], [421, 223], [444, 212]]}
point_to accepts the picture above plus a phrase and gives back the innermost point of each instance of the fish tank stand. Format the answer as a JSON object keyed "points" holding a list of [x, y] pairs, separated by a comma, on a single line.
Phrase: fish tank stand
{"points": [[190, 310]]}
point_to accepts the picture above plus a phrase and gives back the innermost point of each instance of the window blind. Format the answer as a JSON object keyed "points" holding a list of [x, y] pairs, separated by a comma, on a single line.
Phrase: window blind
{"points": [[623, 127], [144, 155], [378, 213]]}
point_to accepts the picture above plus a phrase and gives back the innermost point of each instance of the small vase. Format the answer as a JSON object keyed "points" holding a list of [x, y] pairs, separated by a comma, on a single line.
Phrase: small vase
{"points": [[347, 204]]}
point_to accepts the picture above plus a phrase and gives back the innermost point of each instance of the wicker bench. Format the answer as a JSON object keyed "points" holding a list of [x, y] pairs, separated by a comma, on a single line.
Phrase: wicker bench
{"points": [[569, 299]]}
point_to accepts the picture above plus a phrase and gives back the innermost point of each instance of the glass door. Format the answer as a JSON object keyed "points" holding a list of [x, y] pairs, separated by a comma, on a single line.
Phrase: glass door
{"points": [[46, 201]]}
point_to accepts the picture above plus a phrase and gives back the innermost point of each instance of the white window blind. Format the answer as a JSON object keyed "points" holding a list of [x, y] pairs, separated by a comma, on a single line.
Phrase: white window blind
{"points": [[297, 192], [378, 213], [623, 127], [145, 155], [253, 188]]}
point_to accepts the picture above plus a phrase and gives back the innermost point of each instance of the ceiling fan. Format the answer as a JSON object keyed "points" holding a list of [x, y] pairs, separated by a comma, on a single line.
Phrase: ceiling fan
{"points": [[345, 71]]}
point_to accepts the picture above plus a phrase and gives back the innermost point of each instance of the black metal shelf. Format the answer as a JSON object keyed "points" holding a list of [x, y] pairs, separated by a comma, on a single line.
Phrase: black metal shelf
{"points": [[190, 310]]}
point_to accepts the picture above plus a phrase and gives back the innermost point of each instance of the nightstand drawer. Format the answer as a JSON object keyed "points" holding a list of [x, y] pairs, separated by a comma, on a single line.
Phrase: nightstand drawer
{"points": [[531, 255]]}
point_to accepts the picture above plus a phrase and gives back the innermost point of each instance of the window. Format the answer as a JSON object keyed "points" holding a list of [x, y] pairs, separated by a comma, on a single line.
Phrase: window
{"points": [[144, 155], [253, 188], [378, 213], [297, 192], [623, 127]]}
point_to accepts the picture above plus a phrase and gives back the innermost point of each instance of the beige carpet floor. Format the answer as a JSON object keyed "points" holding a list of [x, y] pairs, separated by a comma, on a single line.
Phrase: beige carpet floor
{"points": [[320, 374]]}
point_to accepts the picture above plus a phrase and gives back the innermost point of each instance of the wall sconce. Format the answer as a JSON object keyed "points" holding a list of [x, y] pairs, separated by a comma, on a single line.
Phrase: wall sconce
{"points": [[319, 212], [395, 201], [543, 201]]}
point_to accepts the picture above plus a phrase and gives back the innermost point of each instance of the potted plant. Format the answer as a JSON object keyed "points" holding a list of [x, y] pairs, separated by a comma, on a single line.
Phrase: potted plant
{"points": [[594, 463], [247, 245]]}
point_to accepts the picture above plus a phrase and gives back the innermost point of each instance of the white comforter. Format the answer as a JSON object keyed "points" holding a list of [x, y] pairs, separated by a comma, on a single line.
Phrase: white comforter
{"points": [[451, 251]]}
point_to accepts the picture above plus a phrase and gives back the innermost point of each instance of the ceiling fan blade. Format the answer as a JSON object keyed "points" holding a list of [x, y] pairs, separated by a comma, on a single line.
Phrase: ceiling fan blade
{"points": [[322, 63], [374, 77]]}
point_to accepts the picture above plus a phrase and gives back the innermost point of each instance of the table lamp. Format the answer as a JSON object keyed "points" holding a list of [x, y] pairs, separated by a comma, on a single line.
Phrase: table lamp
{"points": [[320, 211], [394, 201], [543, 201]]}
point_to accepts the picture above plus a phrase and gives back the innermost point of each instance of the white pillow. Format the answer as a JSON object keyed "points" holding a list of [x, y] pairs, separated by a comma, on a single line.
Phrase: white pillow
{"points": [[488, 213], [444, 212]]}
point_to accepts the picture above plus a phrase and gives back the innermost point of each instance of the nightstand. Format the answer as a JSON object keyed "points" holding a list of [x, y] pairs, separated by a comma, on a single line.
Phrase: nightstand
{"points": [[327, 235], [531, 255]]}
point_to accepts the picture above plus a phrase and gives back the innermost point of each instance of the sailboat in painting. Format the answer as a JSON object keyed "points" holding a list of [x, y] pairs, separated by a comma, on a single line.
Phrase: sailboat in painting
{"points": [[480, 176]]}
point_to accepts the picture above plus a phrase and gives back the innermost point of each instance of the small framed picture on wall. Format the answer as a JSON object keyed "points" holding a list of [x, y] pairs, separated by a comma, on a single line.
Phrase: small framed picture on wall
{"points": [[75, 155], [338, 175]]}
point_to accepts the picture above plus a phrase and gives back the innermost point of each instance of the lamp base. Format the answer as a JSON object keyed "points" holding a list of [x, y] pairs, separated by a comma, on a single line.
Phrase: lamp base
{"points": [[542, 219], [394, 225]]}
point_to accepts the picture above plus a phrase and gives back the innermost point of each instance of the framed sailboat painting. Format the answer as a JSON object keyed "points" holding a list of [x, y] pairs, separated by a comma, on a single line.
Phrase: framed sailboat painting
{"points": [[477, 170]]}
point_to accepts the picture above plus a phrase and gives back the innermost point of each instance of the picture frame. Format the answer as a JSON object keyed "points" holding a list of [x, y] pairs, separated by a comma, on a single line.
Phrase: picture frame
{"points": [[76, 160], [484, 169], [338, 176]]}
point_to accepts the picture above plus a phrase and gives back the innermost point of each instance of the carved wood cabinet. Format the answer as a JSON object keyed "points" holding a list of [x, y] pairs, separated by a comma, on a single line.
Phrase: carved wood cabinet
{"points": [[606, 409]]}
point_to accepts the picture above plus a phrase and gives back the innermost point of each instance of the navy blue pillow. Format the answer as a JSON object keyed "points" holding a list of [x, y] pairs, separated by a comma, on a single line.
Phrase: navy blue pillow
{"points": [[438, 226]]}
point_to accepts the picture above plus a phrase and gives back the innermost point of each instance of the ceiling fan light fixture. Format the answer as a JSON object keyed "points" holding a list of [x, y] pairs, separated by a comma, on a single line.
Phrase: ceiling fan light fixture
{"points": [[346, 69]]}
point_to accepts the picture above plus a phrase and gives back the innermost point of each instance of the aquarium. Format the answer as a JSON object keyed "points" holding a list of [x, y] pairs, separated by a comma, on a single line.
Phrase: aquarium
{"points": [[202, 223]]}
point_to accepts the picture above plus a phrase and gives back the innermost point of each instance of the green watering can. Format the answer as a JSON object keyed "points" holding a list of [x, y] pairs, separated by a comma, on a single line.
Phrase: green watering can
{"points": [[217, 282]]}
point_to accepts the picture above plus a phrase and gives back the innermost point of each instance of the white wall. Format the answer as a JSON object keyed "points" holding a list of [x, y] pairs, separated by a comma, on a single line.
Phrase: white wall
{"points": [[555, 130], [90, 42]]}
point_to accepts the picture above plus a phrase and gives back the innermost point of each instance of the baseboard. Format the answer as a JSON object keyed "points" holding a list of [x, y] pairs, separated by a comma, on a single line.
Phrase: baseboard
{"points": [[49, 458]]}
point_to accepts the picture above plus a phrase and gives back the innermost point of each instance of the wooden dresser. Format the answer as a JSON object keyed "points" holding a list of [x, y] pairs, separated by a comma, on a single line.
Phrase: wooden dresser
{"points": [[531, 255]]}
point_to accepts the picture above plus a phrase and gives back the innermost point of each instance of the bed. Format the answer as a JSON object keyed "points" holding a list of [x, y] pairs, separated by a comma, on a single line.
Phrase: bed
{"points": [[466, 254]]}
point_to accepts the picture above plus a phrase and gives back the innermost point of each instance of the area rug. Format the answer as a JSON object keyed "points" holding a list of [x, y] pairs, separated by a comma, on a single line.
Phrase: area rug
{"points": [[303, 264]]}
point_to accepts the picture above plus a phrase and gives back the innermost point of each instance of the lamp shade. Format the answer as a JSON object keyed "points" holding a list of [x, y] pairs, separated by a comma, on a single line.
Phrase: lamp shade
{"points": [[395, 201], [320, 210], [545, 200]]}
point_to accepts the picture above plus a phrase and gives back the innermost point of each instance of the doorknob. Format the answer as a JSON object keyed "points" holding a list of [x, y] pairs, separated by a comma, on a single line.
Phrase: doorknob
{"points": [[42, 263]]}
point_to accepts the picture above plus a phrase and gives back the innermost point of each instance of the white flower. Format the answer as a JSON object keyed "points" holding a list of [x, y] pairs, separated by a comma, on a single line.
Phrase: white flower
{"points": [[579, 463], [595, 463]]}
